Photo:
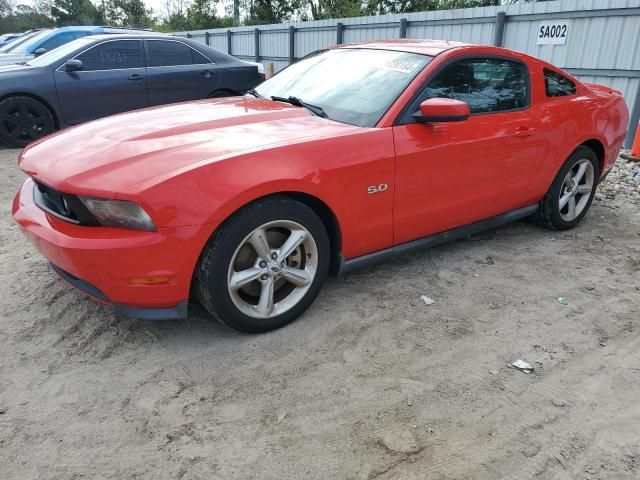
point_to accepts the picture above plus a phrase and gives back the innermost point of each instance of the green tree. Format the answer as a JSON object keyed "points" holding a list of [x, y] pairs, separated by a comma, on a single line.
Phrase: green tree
{"points": [[201, 14], [6, 8], [127, 13], [26, 18], [321, 9], [19, 18], [174, 17], [271, 11], [75, 12], [381, 7], [43, 7]]}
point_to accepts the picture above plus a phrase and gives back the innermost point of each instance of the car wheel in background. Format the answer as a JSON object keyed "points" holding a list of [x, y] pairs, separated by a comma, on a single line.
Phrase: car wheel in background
{"points": [[264, 266], [571, 192], [23, 120]]}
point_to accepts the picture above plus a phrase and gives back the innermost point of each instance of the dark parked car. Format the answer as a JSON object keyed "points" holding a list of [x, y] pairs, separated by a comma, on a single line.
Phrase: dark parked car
{"points": [[96, 76], [47, 40]]}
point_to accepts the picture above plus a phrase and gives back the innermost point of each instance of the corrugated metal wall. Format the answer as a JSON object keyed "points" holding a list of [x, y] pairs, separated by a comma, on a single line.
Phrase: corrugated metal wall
{"points": [[603, 44]]}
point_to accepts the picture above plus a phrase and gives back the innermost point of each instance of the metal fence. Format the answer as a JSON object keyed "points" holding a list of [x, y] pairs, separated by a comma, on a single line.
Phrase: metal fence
{"points": [[601, 45]]}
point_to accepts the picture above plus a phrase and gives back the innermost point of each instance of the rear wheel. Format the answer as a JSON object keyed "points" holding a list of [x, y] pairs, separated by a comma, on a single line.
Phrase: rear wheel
{"points": [[265, 266], [571, 192], [23, 120]]}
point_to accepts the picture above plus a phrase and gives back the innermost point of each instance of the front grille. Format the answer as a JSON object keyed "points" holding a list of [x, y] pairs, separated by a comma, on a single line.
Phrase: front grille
{"points": [[65, 206]]}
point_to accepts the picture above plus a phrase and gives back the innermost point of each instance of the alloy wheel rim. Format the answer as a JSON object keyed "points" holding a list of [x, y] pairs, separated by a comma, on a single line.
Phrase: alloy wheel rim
{"points": [[272, 269], [23, 122], [576, 190]]}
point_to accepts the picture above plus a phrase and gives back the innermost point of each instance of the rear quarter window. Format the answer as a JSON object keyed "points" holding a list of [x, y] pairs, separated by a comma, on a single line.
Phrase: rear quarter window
{"points": [[171, 53], [557, 85]]}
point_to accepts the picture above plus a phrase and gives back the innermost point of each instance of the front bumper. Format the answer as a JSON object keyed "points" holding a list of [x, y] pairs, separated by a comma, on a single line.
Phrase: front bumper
{"points": [[177, 312], [113, 265]]}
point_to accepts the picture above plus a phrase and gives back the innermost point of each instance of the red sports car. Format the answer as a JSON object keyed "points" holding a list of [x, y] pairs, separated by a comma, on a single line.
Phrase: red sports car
{"points": [[347, 157]]}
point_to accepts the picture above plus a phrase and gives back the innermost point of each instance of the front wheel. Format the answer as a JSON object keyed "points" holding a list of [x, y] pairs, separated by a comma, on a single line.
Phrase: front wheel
{"points": [[23, 120], [571, 192], [264, 266]]}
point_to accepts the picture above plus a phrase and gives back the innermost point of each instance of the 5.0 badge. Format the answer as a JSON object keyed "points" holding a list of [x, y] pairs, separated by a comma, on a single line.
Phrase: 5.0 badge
{"points": [[377, 188]]}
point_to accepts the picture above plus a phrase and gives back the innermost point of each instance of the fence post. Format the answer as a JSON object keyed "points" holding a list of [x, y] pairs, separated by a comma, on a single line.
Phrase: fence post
{"points": [[403, 28], [206, 38], [256, 43], [339, 32], [498, 29], [229, 41], [292, 44]]}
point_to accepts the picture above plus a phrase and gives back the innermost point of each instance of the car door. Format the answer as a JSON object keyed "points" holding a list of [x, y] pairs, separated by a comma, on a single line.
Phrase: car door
{"points": [[177, 72], [450, 174], [111, 80]]}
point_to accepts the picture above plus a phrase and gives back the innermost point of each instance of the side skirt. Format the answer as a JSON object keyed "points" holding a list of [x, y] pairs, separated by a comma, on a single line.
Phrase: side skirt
{"points": [[348, 266]]}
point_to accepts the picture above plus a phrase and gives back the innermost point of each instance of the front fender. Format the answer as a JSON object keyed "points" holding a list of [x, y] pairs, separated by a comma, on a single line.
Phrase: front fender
{"points": [[266, 189], [336, 171]]}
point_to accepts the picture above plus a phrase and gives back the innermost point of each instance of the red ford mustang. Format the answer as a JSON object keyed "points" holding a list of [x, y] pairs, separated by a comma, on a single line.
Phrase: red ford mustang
{"points": [[345, 158]]}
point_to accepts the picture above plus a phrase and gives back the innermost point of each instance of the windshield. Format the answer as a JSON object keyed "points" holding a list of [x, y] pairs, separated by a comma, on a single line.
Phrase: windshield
{"points": [[352, 85], [35, 39], [60, 52], [17, 42]]}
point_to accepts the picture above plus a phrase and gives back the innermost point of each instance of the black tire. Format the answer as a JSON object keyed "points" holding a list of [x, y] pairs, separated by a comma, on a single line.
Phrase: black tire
{"points": [[211, 276], [23, 120], [549, 214]]}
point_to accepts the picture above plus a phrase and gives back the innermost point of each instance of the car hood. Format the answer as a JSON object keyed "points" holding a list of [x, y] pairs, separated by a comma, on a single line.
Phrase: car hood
{"points": [[13, 68], [11, 58], [106, 156]]}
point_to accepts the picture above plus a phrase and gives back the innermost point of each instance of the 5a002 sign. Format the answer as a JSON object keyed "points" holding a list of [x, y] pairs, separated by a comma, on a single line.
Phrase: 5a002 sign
{"points": [[553, 33]]}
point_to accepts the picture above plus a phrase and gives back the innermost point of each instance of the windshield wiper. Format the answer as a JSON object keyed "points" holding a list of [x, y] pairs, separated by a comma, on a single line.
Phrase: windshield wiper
{"points": [[299, 103], [254, 93]]}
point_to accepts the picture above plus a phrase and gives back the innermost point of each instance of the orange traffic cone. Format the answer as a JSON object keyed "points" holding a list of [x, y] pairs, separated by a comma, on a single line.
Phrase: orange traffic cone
{"points": [[634, 154]]}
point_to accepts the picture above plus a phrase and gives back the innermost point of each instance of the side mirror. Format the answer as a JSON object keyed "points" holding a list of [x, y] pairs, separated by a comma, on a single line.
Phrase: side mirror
{"points": [[40, 51], [442, 110], [73, 65]]}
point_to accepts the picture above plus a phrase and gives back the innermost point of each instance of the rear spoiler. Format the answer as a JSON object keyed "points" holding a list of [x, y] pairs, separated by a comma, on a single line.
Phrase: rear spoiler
{"points": [[602, 89]]}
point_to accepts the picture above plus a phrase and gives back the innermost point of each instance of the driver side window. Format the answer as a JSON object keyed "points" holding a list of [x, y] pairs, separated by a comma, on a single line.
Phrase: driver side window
{"points": [[112, 55], [488, 85]]}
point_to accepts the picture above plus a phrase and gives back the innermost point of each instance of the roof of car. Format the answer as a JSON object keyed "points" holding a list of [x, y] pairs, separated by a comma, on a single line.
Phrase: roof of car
{"points": [[77, 28], [213, 53], [141, 33], [424, 47]]}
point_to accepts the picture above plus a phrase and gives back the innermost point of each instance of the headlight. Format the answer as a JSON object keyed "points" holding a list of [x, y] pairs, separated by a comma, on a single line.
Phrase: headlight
{"points": [[118, 213]]}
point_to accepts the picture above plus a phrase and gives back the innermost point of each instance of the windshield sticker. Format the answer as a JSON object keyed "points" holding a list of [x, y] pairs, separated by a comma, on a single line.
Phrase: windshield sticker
{"points": [[402, 66]]}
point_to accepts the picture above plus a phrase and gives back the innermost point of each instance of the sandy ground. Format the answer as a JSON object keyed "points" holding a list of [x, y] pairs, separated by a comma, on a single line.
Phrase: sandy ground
{"points": [[370, 383]]}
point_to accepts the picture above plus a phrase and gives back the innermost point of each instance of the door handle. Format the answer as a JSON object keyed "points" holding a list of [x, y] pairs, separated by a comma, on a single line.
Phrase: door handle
{"points": [[206, 73], [525, 132], [135, 77]]}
